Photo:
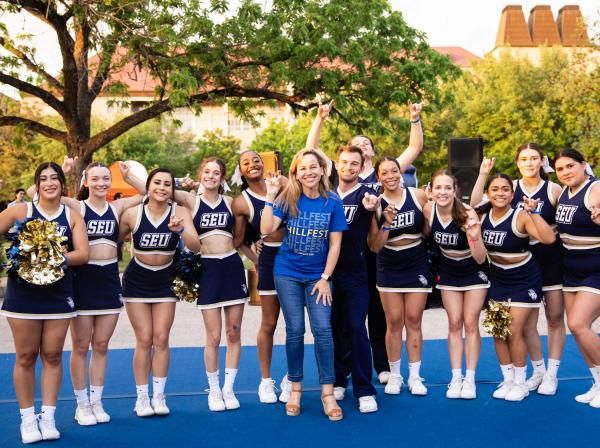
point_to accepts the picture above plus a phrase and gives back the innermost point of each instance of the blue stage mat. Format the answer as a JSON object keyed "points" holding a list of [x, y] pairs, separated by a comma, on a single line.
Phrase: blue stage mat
{"points": [[425, 421]]}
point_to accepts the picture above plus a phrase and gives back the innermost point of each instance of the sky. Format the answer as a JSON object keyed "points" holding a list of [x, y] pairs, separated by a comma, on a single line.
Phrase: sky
{"points": [[471, 24]]}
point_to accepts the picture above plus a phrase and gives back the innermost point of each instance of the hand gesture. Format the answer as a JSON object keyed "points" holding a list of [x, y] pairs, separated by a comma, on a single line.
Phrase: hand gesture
{"points": [[273, 182], [187, 182], [324, 290], [595, 214], [389, 213], [414, 109], [175, 224], [124, 169], [325, 109], [370, 202], [530, 205], [487, 165], [68, 165], [472, 225]]}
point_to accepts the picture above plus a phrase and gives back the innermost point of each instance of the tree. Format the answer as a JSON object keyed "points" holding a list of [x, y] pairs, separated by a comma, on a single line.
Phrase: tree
{"points": [[362, 54]]}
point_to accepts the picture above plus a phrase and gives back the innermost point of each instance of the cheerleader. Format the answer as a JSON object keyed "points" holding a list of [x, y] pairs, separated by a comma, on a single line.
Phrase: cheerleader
{"points": [[534, 183], [39, 316], [368, 177], [247, 208], [314, 220], [515, 277], [222, 286], [578, 220], [454, 228], [403, 277], [97, 309], [156, 226]]}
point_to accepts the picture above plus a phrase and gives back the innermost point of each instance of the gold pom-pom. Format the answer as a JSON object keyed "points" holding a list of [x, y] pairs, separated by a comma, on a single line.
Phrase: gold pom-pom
{"points": [[188, 292], [41, 252], [497, 319]]}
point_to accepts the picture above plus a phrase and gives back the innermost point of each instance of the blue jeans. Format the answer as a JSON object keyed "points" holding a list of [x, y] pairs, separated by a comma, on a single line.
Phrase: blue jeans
{"points": [[293, 295]]}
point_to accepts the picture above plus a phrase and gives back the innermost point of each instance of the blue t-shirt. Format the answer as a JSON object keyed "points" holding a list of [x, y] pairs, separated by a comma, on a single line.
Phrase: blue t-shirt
{"points": [[303, 253]]}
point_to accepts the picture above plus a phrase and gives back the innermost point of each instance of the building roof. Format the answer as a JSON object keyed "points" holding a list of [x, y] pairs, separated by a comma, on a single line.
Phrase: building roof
{"points": [[459, 56]]}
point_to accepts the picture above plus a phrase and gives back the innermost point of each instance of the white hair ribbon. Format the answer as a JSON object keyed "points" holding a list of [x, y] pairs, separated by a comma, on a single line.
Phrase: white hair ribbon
{"points": [[546, 165], [588, 169], [236, 178]]}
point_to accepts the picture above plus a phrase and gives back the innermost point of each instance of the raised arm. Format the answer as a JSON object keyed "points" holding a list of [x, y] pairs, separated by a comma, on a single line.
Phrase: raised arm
{"points": [[534, 224], [473, 230], [314, 136], [484, 171], [378, 236], [269, 222], [415, 141], [181, 223]]}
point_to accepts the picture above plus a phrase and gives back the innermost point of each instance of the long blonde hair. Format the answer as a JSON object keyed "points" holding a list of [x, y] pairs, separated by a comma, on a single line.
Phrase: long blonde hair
{"points": [[288, 199]]}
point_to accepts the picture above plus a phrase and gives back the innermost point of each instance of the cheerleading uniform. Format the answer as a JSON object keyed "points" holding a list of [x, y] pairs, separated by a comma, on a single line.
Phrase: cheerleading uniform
{"points": [[458, 270], [102, 228], [266, 260], [581, 262], [520, 283], [548, 256], [223, 279], [143, 283], [24, 300], [404, 268]]}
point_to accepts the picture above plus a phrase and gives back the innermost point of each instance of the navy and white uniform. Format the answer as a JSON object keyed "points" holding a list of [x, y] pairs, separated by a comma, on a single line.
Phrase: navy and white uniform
{"points": [[24, 300], [458, 270], [548, 256], [581, 262], [266, 260], [223, 280], [143, 283], [90, 299], [518, 284], [404, 268]]}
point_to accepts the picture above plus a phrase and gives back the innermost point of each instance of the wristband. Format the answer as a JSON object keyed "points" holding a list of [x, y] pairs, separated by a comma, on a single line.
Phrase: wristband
{"points": [[180, 231], [417, 120], [384, 228], [269, 204], [325, 276], [535, 212]]}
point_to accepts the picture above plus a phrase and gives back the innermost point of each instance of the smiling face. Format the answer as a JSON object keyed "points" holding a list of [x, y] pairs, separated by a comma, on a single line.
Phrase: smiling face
{"points": [[529, 162], [251, 165], [98, 180], [211, 176], [349, 166], [49, 184], [160, 188], [443, 190], [19, 196], [309, 171], [389, 175], [570, 172], [365, 145], [500, 192]]}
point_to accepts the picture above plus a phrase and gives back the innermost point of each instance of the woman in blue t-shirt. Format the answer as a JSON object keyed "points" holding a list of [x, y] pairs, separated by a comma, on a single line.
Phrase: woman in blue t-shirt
{"points": [[315, 219]]}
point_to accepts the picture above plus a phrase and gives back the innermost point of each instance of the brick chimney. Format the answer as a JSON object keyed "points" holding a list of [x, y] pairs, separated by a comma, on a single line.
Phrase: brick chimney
{"points": [[513, 30], [542, 27], [571, 27]]}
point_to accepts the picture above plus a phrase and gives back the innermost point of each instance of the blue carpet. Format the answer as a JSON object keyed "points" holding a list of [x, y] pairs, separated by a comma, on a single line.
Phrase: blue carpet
{"points": [[425, 421]]}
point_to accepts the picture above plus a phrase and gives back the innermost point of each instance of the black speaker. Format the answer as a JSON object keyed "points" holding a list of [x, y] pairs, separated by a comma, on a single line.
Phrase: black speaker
{"points": [[464, 158]]}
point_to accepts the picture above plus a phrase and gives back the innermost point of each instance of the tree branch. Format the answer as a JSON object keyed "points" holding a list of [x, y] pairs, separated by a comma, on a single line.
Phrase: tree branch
{"points": [[104, 64], [51, 80], [34, 126], [38, 92]]}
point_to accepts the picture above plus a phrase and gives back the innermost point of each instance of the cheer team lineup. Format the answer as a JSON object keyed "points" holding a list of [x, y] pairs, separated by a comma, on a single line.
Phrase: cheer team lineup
{"points": [[348, 240]]}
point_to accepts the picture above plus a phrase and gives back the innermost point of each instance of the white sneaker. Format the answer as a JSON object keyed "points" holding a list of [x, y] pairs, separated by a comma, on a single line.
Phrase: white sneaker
{"points": [[231, 402], [589, 395], [286, 389], [30, 432], [534, 381], [142, 407], [454, 388], [159, 404], [367, 404], [48, 429], [394, 385], [339, 393], [383, 377], [595, 403], [502, 389], [517, 392], [99, 412], [468, 390], [548, 386], [266, 391], [84, 415], [416, 386], [215, 401]]}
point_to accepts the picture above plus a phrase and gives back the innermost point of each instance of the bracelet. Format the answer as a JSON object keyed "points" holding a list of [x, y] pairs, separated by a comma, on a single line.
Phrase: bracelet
{"points": [[535, 212], [268, 204], [180, 231], [416, 121], [473, 241], [384, 228]]}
